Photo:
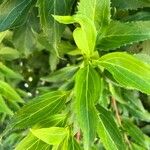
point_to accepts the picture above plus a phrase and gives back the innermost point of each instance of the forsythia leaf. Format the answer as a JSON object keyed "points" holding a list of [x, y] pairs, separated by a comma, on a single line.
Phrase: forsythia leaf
{"points": [[108, 131], [127, 70], [87, 88], [119, 34]]}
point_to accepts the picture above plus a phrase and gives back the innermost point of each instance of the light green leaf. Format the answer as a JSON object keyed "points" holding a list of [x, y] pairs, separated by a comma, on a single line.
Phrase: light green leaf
{"points": [[30, 142], [3, 107], [87, 88], [38, 109], [52, 135], [130, 72], [8, 53], [108, 131], [136, 134], [14, 13], [130, 4], [136, 147], [84, 36], [96, 10], [9, 93], [7, 72], [118, 34]]}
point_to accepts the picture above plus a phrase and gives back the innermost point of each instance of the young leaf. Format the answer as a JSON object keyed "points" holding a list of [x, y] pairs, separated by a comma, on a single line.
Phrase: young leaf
{"points": [[96, 10], [130, 4], [84, 36], [14, 13], [38, 109], [52, 135], [119, 34], [9, 93], [108, 131], [87, 88], [135, 133], [127, 70], [3, 107]]}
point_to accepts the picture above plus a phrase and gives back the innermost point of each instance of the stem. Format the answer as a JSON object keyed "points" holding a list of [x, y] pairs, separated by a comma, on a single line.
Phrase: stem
{"points": [[118, 117], [78, 136]]}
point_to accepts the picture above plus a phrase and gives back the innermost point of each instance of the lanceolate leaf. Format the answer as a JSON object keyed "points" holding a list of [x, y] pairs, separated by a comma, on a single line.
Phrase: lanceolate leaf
{"points": [[108, 131], [87, 87], [96, 10], [38, 109], [9, 93], [14, 13], [52, 135], [130, 4], [127, 70], [119, 34]]}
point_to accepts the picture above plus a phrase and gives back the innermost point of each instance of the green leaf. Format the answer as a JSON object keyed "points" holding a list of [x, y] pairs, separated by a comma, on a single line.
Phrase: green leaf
{"points": [[38, 109], [14, 13], [108, 131], [3, 107], [24, 39], [52, 135], [9, 93], [61, 75], [7, 72], [136, 147], [84, 36], [2, 35], [130, 4], [30, 142], [87, 88], [118, 34], [128, 71], [96, 10], [52, 29], [8, 53], [135, 133]]}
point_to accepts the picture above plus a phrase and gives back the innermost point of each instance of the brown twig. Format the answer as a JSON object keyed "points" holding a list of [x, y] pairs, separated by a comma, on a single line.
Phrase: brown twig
{"points": [[118, 117]]}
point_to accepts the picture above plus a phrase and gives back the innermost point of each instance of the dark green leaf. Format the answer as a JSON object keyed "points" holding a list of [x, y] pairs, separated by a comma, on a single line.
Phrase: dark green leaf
{"points": [[135, 133], [14, 13], [108, 131], [130, 4], [118, 34]]}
